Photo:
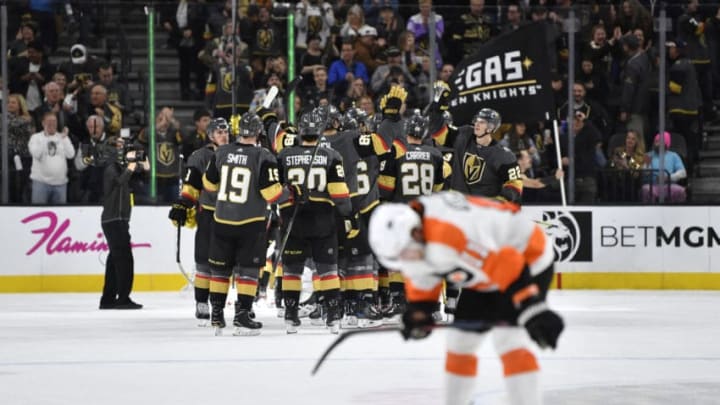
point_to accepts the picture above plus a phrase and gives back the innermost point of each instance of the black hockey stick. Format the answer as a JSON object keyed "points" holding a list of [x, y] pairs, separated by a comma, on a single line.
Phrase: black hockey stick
{"points": [[293, 85], [462, 325]]}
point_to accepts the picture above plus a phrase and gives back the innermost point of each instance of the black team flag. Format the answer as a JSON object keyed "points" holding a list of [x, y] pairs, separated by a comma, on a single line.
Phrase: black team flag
{"points": [[510, 74]]}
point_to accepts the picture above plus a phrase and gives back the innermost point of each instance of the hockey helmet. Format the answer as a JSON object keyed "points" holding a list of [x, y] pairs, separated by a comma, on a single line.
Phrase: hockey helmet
{"points": [[217, 124], [311, 125], [250, 125], [352, 118], [390, 232], [331, 115], [490, 116], [372, 122], [417, 125]]}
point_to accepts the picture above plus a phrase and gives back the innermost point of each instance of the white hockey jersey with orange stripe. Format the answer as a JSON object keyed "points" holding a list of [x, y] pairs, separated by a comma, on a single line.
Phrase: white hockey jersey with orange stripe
{"points": [[474, 243]]}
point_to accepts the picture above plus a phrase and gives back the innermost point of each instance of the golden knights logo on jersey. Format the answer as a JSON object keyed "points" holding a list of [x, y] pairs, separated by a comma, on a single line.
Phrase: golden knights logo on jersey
{"points": [[314, 24], [226, 80], [166, 154], [473, 168], [265, 39]]}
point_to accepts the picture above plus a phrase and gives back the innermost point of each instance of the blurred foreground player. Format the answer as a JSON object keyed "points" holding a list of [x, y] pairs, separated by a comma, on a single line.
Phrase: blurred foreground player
{"points": [[504, 264]]}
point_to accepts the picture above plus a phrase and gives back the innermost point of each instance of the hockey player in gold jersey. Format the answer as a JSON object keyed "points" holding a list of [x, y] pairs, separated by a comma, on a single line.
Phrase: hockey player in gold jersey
{"points": [[245, 177], [194, 199], [317, 176]]}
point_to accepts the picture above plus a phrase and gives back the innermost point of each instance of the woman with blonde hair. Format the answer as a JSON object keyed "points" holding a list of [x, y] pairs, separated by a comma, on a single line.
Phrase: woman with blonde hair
{"points": [[353, 23], [627, 159], [20, 128]]}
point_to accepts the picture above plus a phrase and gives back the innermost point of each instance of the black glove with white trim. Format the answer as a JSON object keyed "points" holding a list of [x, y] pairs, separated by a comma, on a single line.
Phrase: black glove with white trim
{"points": [[417, 320], [543, 324]]}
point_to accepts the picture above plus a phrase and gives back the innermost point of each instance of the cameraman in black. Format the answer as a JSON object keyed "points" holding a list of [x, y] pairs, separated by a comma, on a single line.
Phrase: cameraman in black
{"points": [[115, 218]]}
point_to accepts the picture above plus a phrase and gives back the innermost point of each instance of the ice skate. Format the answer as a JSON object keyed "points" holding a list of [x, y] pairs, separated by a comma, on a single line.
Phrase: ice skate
{"points": [[317, 317], [217, 319], [202, 313], [334, 315], [393, 313], [350, 320], [369, 316], [292, 321], [244, 323]]}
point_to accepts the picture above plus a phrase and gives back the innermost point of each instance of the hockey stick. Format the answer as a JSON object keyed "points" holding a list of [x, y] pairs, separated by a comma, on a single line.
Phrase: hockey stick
{"points": [[177, 256], [286, 236], [270, 97], [462, 325], [293, 85]]}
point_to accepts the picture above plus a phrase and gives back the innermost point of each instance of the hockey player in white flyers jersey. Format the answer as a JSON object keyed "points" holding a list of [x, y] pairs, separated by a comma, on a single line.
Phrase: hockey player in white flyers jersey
{"points": [[504, 264]]}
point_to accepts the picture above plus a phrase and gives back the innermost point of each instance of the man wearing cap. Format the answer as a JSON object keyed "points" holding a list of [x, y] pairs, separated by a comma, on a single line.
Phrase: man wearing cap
{"points": [[684, 98], [366, 48], [81, 68]]}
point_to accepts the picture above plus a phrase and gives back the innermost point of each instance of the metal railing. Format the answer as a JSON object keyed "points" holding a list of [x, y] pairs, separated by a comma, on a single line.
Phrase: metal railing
{"points": [[625, 186]]}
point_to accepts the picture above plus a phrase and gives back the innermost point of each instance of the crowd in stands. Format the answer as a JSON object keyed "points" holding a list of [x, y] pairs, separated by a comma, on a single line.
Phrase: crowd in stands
{"points": [[350, 53]]}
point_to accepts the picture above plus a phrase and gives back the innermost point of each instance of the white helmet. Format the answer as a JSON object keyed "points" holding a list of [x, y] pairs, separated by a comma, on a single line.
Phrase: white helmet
{"points": [[390, 231]]}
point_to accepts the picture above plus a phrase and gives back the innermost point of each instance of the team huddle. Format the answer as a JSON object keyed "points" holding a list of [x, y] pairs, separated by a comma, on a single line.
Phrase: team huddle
{"points": [[363, 201]]}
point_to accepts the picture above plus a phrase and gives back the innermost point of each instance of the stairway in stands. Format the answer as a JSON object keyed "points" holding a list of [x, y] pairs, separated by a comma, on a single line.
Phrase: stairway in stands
{"points": [[167, 87]]}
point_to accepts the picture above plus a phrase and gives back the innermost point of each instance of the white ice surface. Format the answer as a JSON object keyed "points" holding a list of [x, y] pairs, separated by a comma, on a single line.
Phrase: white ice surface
{"points": [[624, 347]]}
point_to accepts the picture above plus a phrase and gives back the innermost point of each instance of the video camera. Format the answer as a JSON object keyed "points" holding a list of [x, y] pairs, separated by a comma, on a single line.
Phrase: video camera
{"points": [[139, 153], [128, 147]]}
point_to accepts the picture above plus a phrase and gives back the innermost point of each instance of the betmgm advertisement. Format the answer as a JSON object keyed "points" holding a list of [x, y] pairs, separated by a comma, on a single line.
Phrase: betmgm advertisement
{"points": [[634, 247]]}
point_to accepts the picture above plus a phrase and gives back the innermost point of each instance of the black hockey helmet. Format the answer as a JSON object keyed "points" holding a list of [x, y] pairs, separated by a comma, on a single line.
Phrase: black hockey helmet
{"points": [[330, 115], [217, 124], [250, 125], [311, 125], [369, 124], [417, 125], [490, 116], [353, 118]]}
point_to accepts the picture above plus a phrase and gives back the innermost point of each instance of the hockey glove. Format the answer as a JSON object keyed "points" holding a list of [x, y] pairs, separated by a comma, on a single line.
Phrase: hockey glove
{"points": [[392, 102], [296, 194], [179, 211], [352, 226], [543, 324], [417, 320], [191, 221], [235, 125], [441, 101]]}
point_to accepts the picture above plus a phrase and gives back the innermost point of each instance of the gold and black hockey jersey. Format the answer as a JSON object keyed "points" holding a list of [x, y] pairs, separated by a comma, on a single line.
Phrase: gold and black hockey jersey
{"points": [[246, 180], [412, 171], [356, 148], [488, 171], [323, 179], [192, 188]]}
